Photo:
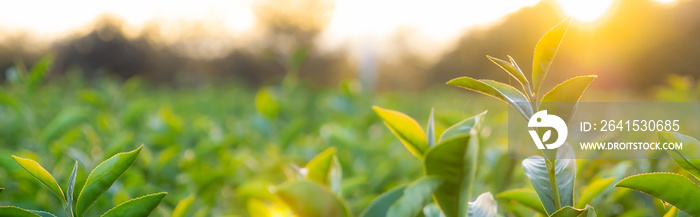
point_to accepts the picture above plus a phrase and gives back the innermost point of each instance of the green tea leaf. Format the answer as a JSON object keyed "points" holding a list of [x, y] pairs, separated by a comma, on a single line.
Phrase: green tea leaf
{"points": [[40, 174], [71, 188], [138, 207], [593, 190], [415, 197], [406, 129], [689, 159], [565, 173], [525, 197], [545, 50], [463, 128], [183, 206], [321, 166], [483, 206], [675, 189], [310, 199], [430, 134], [11, 211], [454, 160], [102, 177], [574, 212], [1, 189], [501, 91], [555, 101], [380, 205], [512, 69], [42, 213]]}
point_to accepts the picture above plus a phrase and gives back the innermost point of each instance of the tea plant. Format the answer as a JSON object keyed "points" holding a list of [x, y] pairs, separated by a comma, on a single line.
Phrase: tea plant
{"points": [[97, 183], [673, 188], [552, 175], [449, 165]]}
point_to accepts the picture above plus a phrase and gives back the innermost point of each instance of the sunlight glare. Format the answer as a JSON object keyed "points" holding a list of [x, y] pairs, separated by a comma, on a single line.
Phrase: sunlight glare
{"points": [[585, 10]]}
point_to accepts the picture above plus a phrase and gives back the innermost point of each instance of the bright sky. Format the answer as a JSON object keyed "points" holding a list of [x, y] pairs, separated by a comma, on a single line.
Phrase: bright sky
{"points": [[436, 20]]}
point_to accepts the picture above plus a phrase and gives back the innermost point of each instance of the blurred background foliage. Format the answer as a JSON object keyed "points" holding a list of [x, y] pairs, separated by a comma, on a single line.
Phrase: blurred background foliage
{"points": [[224, 118]]}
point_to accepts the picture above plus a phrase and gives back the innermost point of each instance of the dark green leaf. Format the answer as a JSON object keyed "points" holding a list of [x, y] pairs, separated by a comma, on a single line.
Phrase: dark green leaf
{"points": [[11, 211], [545, 50], [139, 207], [102, 177], [415, 197], [310, 199], [675, 189], [565, 173], [406, 129]]}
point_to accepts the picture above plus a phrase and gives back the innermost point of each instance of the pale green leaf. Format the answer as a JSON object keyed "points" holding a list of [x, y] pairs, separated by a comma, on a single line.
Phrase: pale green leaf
{"points": [[139, 207], [183, 206], [71, 188], [310, 199], [689, 157], [43, 176], [511, 68], [545, 50], [483, 206], [675, 189], [501, 91], [593, 190], [525, 197], [568, 211], [406, 129], [561, 100], [430, 134]]}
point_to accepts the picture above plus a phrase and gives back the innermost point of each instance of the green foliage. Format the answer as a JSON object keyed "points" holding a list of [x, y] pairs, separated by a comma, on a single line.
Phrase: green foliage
{"points": [[676, 189], [593, 190], [406, 129], [99, 180], [415, 197], [380, 206], [565, 169], [689, 159], [525, 197], [310, 199], [102, 177], [138, 207], [574, 212], [498, 90], [545, 50]]}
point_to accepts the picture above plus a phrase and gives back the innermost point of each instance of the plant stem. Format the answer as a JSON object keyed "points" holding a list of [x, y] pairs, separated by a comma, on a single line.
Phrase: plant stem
{"points": [[550, 163]]}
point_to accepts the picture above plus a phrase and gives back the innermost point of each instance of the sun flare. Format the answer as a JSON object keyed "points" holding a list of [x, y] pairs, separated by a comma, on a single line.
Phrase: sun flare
{"points": [[585, 10]]}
